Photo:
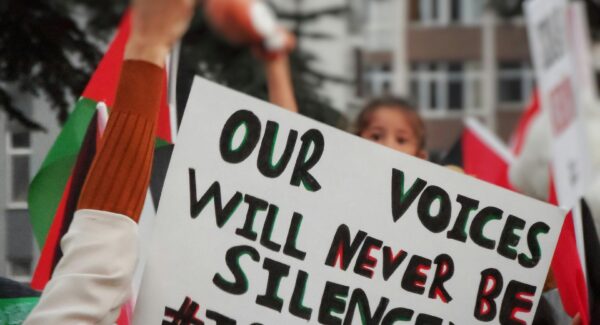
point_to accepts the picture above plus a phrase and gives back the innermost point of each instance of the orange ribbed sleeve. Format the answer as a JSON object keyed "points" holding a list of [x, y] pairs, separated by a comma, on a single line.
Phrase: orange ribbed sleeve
{"points": [[118, 179]]}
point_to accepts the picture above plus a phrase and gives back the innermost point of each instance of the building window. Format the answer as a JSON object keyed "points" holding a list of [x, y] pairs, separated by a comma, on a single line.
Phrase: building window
{"points": [[455, 87], [515, 82], [455, 11], [18, 150], [472, 11], [434, 94], [20, 247], [379, 27], [444, 12], [378, 81], [429, 11], [440, 87], [434, 14], [19, 270]]}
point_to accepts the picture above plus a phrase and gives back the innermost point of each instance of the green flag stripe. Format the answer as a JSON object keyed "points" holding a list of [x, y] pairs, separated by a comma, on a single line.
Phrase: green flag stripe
{"points": [[13, 311], [46, 188]]}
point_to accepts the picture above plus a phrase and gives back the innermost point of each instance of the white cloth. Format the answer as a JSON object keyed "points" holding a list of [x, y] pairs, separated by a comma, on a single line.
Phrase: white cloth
{"points": [[93, 278], [530, 171]]}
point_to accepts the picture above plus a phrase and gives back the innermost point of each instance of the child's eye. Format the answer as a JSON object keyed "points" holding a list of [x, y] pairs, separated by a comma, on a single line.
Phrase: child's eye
{"points": [[401, 140], [375, 136]]}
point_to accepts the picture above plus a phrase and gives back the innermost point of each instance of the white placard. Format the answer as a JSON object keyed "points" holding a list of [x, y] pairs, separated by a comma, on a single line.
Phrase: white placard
{"points": [[367, 232], [580, 45], [556, 44]]}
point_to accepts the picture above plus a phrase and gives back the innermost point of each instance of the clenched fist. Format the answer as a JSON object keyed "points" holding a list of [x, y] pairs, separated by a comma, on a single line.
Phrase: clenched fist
{"points": [[155, 26]]}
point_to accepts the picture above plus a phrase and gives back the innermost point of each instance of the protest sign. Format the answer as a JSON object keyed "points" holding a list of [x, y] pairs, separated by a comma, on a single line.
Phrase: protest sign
{"points": [[560, 46], [556, 44], [579, 38], [268, 217]]}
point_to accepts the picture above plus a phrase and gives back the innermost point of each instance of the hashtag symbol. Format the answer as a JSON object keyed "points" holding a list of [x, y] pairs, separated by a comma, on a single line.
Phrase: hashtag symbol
{"points": [[186, 315]]}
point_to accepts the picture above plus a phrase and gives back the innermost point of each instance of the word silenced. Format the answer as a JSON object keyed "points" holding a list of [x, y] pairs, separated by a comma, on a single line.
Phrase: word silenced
{"points": [[338, 303]]}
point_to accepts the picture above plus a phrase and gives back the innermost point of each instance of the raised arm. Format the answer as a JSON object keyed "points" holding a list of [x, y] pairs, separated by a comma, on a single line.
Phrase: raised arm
{"points": [[279, 77], [252, 23], [93, 278], [119, 175]]}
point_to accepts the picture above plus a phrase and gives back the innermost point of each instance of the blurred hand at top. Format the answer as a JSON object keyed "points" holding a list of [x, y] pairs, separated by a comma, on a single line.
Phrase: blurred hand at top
{"points": [[288, 42], [251, 23], [155, 26]]}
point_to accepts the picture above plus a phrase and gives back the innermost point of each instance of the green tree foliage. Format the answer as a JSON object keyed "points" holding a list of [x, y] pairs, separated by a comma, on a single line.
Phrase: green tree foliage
{"points": [[45, 50]]}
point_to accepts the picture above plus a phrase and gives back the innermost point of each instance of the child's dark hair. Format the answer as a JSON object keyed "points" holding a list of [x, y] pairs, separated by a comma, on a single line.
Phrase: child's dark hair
{"points": [[402, 105]]}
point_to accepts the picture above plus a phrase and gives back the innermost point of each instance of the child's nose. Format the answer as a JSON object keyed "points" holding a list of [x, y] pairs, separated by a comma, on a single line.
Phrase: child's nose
{"points": [[389, 142]]}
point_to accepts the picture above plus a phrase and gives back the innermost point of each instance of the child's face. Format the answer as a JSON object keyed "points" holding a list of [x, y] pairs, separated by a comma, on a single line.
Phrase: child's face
{"points": [[392, 128]]}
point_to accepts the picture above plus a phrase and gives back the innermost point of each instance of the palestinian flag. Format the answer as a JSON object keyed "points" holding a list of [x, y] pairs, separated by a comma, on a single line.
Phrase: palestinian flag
{"points": [[16, 301], [54, 191], [578, 283], [481, 154], [567, 268]]}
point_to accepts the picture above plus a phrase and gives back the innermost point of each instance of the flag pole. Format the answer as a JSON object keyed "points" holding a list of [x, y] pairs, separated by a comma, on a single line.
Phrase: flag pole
{"points": [[172, 67], [579, 237]]}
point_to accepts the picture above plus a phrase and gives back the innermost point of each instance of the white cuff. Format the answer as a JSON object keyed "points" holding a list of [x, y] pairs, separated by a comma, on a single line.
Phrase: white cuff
{"points": [[93, 278]]}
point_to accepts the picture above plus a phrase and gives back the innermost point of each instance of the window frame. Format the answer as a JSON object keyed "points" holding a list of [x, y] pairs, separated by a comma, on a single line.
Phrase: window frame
{"points": [[377, 80], [19, 278], [12, 151], [467, 10], [379, 26], [424, 78], [524, 74]]}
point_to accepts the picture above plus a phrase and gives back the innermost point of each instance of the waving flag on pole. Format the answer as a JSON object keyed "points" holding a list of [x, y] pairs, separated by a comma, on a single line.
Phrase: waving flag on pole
{"points": [[569, 274], [481, 154], [576, 271], [54, 191], [592, 247]]}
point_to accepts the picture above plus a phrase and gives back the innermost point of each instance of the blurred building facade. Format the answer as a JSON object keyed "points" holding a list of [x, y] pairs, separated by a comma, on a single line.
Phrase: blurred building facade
{"points": [[452, 58], [21, 154]]}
